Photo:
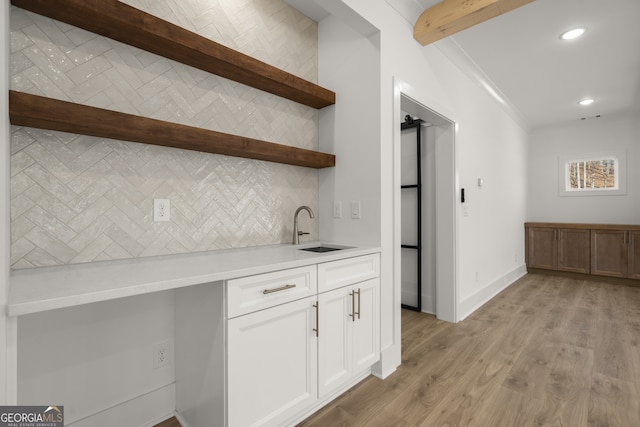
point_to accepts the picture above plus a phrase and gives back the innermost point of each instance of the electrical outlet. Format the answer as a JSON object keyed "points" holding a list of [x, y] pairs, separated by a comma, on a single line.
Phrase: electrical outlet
{"points": [[161, 356], [161, 210]]}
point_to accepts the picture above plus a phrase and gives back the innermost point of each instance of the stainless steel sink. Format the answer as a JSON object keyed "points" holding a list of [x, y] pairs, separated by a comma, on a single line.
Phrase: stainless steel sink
{"points": [[321, 249]]}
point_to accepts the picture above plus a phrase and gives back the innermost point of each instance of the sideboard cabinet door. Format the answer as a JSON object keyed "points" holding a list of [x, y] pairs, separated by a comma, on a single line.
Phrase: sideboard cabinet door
{"points": [[542, 248], [609, 253], [574, 250], [634, 254]]}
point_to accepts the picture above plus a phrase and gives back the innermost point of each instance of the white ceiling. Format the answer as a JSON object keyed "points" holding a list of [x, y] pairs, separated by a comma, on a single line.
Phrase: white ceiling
{"points": [[542, 77]]}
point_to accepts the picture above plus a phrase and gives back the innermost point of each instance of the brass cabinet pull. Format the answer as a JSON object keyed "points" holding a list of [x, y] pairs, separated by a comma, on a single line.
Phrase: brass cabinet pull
{"points": [[353, 305], [283, 288], [317, 328], [358, 303]]}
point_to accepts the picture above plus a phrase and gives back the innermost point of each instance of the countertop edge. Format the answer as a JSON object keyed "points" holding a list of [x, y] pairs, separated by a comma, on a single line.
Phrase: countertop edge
{"points": [[42, 289], [584, 226]]}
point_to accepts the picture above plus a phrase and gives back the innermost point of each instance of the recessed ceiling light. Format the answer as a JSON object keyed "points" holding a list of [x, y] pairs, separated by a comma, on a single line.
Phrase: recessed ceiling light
{"points": [[585, 102], [573, 34]]}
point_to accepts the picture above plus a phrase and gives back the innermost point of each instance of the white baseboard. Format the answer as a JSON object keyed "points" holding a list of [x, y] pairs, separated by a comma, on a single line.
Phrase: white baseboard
{"points": [[428, 301], [477, 300], [428, 304], [181, 419], [146, 410], [390, 359], [408, 294]]}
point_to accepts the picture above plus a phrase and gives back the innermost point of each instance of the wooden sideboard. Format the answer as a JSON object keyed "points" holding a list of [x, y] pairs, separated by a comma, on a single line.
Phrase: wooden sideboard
{"points": [[600, 249]]}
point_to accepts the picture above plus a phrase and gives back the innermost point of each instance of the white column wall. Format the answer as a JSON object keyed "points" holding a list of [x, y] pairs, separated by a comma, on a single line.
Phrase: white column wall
{"points": [[489, 145]]}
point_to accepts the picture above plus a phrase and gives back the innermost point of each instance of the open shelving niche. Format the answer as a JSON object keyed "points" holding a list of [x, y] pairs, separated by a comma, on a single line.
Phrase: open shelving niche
{"points": [[124, 23]]}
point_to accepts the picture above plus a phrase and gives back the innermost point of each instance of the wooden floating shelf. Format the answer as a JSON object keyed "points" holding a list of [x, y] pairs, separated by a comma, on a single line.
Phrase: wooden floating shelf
{"points": [[121, 22], [47, 113]]}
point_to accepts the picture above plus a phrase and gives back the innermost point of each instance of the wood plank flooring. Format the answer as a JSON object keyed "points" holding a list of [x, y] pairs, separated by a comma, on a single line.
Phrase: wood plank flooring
{"points": [[547, 351], [171, 422]]}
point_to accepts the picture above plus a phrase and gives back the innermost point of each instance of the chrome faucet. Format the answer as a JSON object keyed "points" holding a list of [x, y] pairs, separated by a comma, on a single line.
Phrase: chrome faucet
{"points": [[296, 233]]}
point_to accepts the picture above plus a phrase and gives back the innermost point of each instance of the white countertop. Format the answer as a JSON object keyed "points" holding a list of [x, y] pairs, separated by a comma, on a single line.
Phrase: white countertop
{"points": [[47, 288]]}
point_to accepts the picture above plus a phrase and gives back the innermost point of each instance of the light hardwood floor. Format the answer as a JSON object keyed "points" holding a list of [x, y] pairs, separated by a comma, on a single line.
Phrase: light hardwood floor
{"points": [[171, 422], [547, 351]]}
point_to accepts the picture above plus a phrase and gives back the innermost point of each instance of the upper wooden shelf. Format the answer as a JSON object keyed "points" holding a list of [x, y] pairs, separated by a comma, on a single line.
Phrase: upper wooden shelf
{"points": [[132, 26], [47, 113]]}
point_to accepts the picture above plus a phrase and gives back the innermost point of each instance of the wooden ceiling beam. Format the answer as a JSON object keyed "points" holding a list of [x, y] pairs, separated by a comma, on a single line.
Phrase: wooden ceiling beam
{"points": [[451, 16]]}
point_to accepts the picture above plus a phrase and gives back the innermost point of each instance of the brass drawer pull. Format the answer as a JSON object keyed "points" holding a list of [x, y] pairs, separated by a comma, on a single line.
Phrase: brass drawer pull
{"points": [[283, 288]]}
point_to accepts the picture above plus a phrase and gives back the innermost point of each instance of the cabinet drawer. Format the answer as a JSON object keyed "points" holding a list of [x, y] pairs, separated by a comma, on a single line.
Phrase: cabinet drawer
{"points": [[336, 274], [252, 293]]}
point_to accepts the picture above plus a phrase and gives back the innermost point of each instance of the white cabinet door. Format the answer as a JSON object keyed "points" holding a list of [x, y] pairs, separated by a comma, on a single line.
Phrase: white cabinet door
{"points": [[366, 332], [272, 364], [334, 340], [349, 335]]}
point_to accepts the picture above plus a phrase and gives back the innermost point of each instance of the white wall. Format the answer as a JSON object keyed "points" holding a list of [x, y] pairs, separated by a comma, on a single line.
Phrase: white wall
{"points": [[491, 147], [489, 144], [349, 65], [94, 357], [618, 133]]}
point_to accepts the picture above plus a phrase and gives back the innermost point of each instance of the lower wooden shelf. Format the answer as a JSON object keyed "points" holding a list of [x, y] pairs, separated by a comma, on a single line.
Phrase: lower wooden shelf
{"points": [[47, 113]]}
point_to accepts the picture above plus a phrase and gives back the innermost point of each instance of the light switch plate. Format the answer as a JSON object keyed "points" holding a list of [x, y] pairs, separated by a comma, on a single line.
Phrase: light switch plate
{"points": [[355, 210], [337, 209]]}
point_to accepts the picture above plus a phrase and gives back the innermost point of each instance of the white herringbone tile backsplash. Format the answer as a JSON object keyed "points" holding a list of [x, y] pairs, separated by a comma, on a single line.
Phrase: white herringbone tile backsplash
{"points": [[78, 199]]}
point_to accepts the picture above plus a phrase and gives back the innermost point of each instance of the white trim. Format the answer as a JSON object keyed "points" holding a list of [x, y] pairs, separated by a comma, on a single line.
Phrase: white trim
{"points": [[181, 419], [478, 299], [11, 354], [8, 326], [459, 57], [146, 410], [447, 207], [621, 174], [390, 359], [428, 302]]}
